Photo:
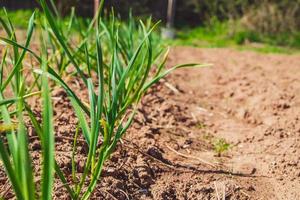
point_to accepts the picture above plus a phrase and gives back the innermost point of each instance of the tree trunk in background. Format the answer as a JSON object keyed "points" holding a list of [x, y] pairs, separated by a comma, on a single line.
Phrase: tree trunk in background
{"points": [[96, 5], [171, 13], [60, 6], [169, 32]]}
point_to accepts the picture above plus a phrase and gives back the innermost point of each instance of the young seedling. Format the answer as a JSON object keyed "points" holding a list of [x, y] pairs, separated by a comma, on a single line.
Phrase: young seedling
{"points": [[221, 146]]}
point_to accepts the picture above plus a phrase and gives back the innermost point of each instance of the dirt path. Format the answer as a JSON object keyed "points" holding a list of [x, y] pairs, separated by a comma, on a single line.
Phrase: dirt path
{"points": [[252, 100]]}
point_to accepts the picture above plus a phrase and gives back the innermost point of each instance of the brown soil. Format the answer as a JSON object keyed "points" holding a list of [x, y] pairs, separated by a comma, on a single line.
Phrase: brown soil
{"points": [[251, 100]]}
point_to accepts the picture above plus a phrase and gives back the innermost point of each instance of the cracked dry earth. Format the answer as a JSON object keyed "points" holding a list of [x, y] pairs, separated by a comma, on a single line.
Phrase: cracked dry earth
{"points": [[249, 99]]}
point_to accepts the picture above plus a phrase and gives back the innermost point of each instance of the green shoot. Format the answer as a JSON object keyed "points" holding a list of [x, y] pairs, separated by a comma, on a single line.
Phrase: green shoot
{"points": [[221, 146]]}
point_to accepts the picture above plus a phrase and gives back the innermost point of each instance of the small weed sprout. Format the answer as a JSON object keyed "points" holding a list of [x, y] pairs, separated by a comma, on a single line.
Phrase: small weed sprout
{"points": [[200, 125], [221, 146]]}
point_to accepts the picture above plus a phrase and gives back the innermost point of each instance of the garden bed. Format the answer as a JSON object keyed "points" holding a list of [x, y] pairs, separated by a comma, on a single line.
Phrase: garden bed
{"points": [[247, 100]]}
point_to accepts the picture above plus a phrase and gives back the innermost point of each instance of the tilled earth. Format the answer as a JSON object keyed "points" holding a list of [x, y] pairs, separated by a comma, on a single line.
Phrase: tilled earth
{"points": [[247, 100]]}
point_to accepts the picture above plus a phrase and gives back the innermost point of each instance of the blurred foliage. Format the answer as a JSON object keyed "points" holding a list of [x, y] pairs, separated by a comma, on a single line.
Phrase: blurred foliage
{"points": [[18, 17], [253, 20], [273, 17], [200, 12], [244, 22], [222, 34], [265, 16], [209, 23]]}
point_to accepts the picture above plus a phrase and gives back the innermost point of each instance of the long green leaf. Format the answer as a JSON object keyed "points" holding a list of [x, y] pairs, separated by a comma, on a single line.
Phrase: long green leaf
{"points": [[48, 139], [60, 38], [83, 123], [165, 73], [16, 68], [10, 171], [39, 131], [54, 76]]}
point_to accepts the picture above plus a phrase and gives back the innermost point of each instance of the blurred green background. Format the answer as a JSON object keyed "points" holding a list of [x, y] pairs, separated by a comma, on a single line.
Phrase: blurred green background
{"points": [[264, 25]]}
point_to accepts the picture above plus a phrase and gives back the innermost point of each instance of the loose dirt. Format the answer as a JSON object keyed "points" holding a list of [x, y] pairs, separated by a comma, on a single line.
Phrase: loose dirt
{"points": [[247, 100]]}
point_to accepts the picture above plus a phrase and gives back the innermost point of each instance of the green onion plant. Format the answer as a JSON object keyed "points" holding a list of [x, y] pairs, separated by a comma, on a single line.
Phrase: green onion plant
{"points": [[117, 62], [15, 155]]}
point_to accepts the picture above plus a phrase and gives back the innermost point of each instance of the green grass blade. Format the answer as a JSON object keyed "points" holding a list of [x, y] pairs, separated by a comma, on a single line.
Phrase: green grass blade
{"points": [[54, 8], [165, 73], [39, 132], [94, 123], [60, 38], [162, 64], [10, 171], [11, 33], [83, 123], [11, 137], [34, 121], [15, 44], [145, 73], [54, 76], [87, 59], [24, 167], [75, 180], [48, 139], [16, 69], [93, 105], [134, 57], [64, 180], [5, 27], [7, 101], [13, 100], [2, 65], [71, 21], [100, 71]]}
